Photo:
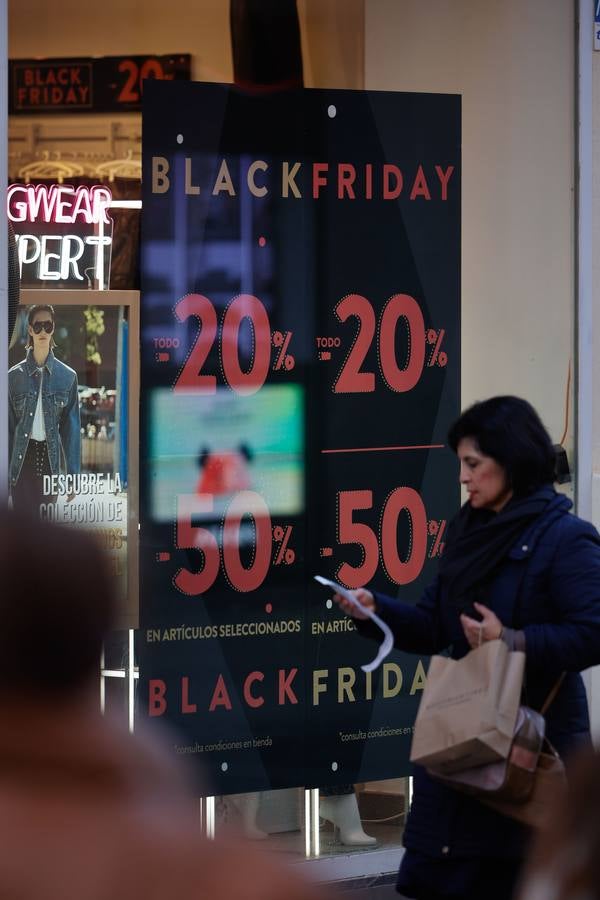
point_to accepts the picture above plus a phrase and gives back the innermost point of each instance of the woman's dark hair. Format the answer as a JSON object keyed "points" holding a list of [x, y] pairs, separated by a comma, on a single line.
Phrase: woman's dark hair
{"points": [[31, 312], [510, 431]]}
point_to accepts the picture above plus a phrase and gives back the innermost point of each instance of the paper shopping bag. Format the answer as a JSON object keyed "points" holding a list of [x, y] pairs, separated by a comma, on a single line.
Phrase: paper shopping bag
{"points": [[468, 710]]}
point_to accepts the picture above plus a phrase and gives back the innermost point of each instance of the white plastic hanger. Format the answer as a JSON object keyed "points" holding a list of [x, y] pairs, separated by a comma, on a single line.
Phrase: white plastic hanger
{"points": [[50, 169], [127, 167]]}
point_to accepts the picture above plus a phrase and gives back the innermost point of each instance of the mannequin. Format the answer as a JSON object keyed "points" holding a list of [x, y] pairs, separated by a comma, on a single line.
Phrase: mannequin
{"points": [[341, 809], [247, 807]]}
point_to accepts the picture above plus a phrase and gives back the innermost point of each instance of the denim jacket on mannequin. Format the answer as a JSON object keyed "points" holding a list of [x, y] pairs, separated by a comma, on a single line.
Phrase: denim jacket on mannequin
{"points": [[60, 403]]}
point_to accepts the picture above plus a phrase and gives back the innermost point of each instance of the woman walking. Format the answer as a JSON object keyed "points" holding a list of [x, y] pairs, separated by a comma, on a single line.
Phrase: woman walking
{"points": [[517, 566]]}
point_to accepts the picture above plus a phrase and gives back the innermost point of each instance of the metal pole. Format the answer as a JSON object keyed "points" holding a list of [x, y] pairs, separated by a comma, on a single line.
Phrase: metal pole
{"points": [[584, 323], [3, 256], [584, 260]]}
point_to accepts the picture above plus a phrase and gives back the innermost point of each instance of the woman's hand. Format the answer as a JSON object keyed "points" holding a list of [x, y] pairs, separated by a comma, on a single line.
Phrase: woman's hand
{"points": [[363, 596], [488, 629]]}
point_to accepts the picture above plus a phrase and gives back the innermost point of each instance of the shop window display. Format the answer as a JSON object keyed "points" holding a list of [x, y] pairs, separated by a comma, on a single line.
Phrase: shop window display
{"points": [[234, 462], [82, 476]]}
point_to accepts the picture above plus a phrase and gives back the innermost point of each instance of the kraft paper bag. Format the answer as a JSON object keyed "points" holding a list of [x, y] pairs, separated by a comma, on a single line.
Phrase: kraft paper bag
{"points": [[468, 710]]}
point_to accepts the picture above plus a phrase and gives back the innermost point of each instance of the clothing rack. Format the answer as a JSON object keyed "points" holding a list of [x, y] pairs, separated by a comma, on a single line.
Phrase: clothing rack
{"points": [[59, 168], [88, 144]]}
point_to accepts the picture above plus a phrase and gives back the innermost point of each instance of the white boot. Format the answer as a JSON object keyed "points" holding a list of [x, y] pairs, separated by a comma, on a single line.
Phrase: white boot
{"points": [[247, 806], [342, 812]]}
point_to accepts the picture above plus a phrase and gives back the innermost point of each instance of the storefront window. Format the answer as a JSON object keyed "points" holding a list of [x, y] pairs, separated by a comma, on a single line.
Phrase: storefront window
{"points": [[333, 257]]}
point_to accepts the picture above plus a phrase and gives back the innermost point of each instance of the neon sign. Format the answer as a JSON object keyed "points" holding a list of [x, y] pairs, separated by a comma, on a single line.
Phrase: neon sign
{"points": [[58, 203], [63, 234]]}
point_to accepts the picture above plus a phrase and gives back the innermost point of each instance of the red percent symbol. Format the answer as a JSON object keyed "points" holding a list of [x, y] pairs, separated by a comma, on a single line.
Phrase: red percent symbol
{"points": [[284, 359], [284, 554], [437, 357], [436, 530]]}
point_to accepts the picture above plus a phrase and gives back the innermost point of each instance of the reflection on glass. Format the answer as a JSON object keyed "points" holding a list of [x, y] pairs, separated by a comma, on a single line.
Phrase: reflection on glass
{"points": [[333, 822]]}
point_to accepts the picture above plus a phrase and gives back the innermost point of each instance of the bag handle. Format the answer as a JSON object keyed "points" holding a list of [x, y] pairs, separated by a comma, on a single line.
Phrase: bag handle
{"points": [[552, 695]]}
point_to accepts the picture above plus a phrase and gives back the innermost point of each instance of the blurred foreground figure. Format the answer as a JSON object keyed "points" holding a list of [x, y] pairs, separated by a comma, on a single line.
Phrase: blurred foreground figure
{"points": [[88, 811], [565, 861]]}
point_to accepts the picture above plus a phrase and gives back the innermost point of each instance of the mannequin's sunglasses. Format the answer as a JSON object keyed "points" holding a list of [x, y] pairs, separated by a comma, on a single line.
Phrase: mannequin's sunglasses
{"points": [[48, 327]]}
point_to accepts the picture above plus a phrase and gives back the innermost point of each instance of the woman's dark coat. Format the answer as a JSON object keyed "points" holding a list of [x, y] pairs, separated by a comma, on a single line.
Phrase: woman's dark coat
{"points": [[548, 586]]}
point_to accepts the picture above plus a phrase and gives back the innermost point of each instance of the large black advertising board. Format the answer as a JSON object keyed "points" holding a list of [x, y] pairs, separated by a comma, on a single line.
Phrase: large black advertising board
{"points": [[300, 368]]}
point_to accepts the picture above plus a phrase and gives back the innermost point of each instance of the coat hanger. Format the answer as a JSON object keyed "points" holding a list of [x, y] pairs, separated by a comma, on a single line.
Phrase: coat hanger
{"points": [[50, 169], [127, 167]]}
